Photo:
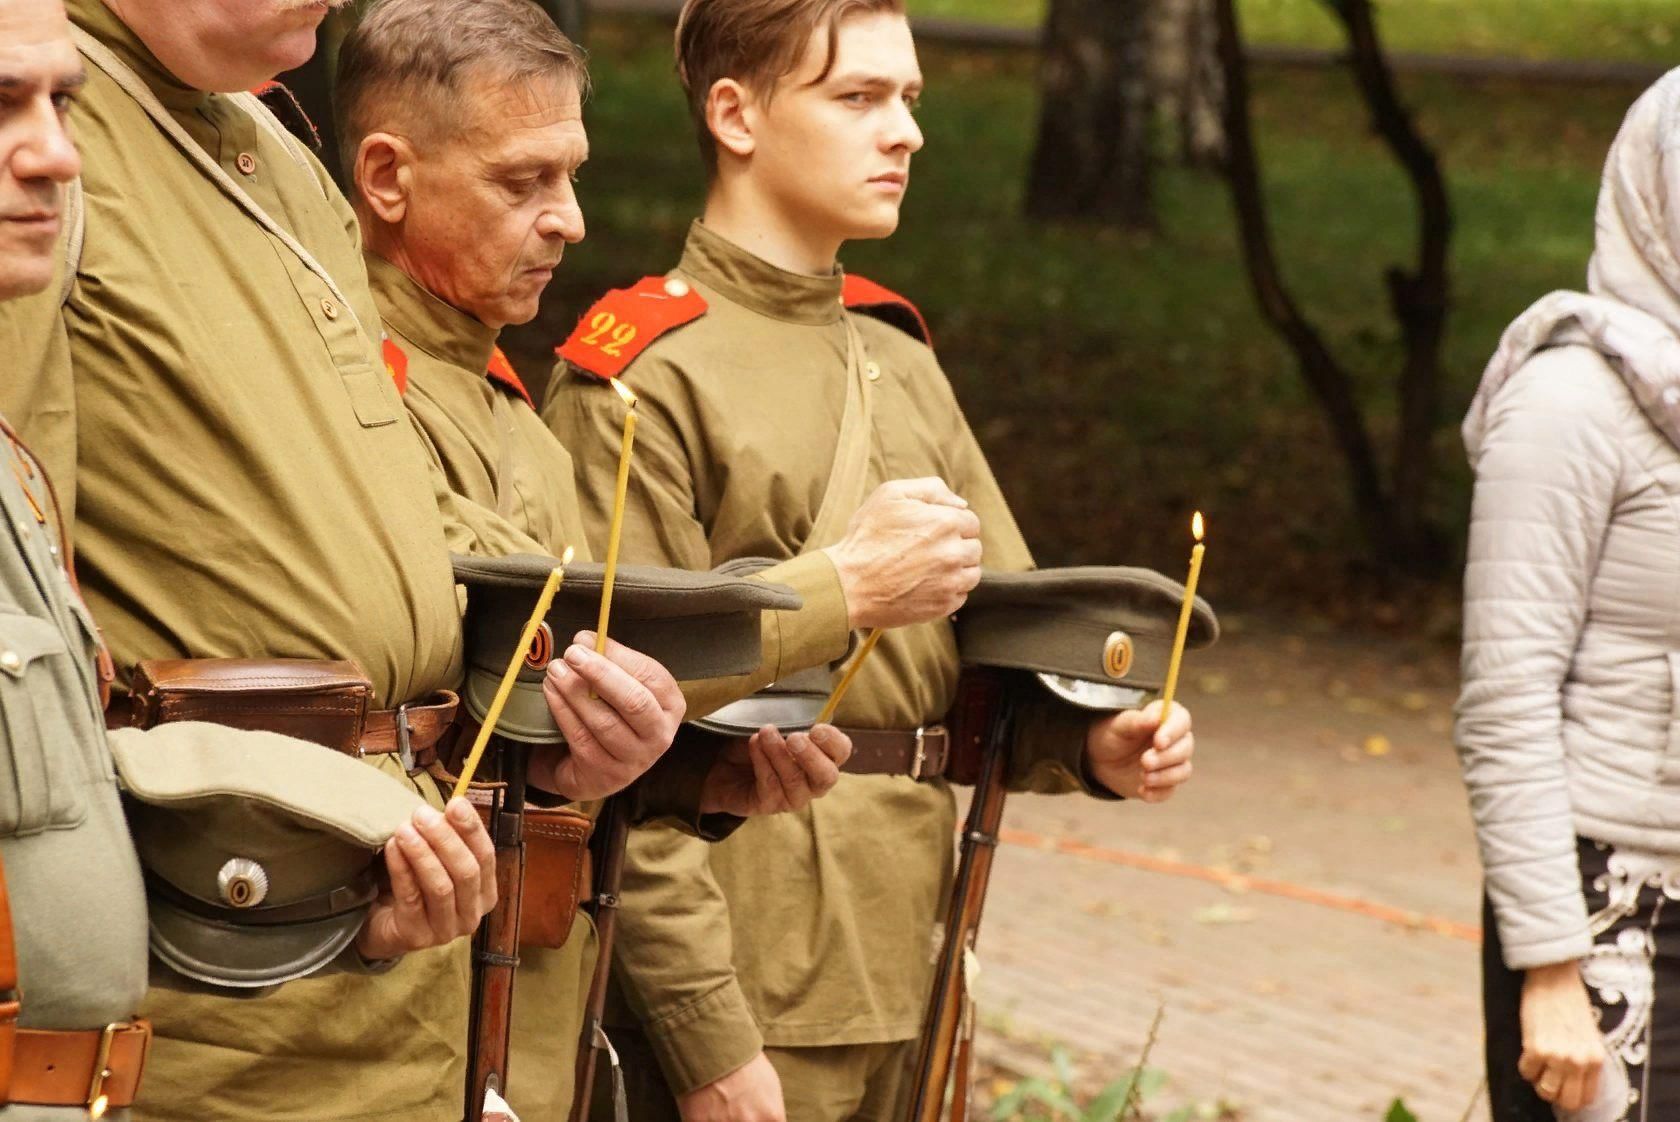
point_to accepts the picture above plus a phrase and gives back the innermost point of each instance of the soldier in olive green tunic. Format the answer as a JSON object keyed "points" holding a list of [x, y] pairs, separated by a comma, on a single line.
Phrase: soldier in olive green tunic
{"points": [[784, 971], [466, 204], [248, 484]]}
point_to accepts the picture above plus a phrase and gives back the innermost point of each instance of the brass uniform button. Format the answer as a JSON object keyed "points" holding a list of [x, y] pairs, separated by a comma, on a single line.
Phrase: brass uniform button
{"points": [[10, 662], [676, 287], [247, 163], [329, 309], [872, 371]]}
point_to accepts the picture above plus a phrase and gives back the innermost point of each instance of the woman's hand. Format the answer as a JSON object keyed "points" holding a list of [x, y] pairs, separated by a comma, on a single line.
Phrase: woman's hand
{"points": [[1563, 1052]]}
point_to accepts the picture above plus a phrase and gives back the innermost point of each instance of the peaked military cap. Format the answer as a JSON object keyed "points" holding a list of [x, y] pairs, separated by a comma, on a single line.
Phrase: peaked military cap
{"points": [[261, 852], [697, 624], [791, 703], [1098, 637]]}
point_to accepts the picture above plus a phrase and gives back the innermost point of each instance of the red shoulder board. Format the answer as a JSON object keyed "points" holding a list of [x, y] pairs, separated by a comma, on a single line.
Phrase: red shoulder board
{"points": [[283, 103], [624, 321], [396, 363], [863, 295], [502, 373]]}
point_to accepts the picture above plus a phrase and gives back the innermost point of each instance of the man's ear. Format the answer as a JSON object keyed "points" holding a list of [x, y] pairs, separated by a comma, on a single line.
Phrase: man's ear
{"points": [[384, 175], [732, 114]]}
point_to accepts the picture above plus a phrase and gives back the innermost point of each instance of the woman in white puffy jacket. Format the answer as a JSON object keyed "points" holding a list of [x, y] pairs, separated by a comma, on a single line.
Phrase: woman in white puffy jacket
{"points": [[1569, 718]]}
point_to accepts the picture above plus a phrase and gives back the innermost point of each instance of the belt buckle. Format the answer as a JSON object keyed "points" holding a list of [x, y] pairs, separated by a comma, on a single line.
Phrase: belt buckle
{"points": [[919, 759], [98, 1102], [405, 752]]}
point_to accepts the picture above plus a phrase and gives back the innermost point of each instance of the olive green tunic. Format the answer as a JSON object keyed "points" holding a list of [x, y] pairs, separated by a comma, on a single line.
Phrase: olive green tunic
{"points": [[812, 928], [248, 485], [78, 904], [495, 450]]}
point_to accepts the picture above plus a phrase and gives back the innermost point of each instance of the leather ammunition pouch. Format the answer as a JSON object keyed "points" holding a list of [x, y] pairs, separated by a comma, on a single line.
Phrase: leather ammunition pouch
{"points": [[557, 869], [317, 700]]}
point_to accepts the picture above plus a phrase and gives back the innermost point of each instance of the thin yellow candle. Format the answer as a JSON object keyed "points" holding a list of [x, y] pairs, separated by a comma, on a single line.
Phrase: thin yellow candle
{"points": [[617, 524], [494, 713], [1184, 616], [845, 683]]}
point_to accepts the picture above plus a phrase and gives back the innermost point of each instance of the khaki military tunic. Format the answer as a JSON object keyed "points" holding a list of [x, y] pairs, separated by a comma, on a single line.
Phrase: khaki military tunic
{"points": [[78, 904], [495, 450], [812, 928], [248, 485]]}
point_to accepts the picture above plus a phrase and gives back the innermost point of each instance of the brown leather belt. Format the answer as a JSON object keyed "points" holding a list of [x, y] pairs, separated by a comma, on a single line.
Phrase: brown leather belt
{"points": [[411, 730], [80, 1068], [918, 753]]}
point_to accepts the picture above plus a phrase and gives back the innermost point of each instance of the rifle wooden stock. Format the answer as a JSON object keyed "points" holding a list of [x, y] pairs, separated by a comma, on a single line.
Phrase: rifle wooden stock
{"points": [[982, 719], [496, 943], [612, 830]]}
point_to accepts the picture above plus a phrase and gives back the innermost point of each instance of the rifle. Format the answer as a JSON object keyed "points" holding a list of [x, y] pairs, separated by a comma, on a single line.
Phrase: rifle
{"points": [[612, 830], [496, 942], [981, 726]]}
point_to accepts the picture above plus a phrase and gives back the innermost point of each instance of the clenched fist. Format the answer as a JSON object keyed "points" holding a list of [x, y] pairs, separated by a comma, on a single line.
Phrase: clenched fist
{"points": [[911, 554]]}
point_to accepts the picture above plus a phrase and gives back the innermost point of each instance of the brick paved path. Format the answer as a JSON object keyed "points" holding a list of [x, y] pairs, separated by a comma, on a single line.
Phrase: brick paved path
{"points": [[1322, 764]]}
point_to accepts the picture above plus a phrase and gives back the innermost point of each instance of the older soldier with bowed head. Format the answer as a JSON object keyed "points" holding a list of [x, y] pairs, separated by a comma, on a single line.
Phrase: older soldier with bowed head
{"points": [[782, 973], [461, 122], [248, 486]]}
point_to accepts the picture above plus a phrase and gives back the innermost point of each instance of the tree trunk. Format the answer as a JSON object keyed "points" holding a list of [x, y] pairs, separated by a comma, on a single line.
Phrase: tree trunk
{"points": [[1189, 87], [1094, 146]]}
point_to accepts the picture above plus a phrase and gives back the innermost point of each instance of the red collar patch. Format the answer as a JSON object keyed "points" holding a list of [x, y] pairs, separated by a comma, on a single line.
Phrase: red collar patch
{"points": [[862, 295], [502, 373], [624, 321], [396, 363]]}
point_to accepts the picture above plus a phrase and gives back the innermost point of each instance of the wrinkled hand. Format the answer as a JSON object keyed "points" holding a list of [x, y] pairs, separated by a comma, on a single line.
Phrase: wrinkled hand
{"points": [[752, 1093], [1135, 755], [443, 881], [612, 738], [911, 554], [770, 773], [1562, 1051]]}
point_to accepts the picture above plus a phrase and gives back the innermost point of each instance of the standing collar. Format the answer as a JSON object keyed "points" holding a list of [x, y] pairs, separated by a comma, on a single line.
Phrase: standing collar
{"points": [[758, 285], [102, 23], [444, 332]]}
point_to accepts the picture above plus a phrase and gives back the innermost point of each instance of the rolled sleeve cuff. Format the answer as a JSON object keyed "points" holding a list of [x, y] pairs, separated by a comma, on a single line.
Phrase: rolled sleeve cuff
{"points": [[1049, 756], [704, 1041], [818, 632], [669, 793]]}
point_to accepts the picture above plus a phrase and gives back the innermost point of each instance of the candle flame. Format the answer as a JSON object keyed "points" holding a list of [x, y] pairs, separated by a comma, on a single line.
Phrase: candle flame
{"points": [[624, 392], [566, 557], [1196, 526]]}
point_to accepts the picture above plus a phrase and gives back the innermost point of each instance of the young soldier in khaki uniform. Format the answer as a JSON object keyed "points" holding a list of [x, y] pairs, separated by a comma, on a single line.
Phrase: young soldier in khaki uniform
{"points": [[783, 973], [249, 486], [461, 122]]}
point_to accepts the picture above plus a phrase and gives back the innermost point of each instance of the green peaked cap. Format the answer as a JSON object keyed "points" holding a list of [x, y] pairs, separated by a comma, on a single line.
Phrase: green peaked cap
{"points": [[699, 625], [1098, 636], [261, 851]]}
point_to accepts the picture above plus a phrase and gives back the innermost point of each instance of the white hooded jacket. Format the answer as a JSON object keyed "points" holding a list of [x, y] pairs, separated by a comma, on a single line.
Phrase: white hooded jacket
{"points": [[1568, 719]]}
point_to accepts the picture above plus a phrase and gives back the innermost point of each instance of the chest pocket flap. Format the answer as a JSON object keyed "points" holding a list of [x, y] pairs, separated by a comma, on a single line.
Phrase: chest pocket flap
{"points": [[42, 774]]}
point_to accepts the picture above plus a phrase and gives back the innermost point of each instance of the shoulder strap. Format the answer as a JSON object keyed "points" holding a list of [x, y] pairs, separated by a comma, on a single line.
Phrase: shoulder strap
{"points": [[132, 85], [75, 230], [848, 479], [625, 321], [861, 294]]}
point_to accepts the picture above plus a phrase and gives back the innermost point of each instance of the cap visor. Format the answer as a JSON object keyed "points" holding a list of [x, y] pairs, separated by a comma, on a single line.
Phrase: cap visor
{"points": [[241, 957], [788, 712], [1099, 697]]}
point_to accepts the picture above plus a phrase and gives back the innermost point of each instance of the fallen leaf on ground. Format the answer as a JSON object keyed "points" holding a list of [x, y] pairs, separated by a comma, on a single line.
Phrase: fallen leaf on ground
{"points": [[1222, 914], [1378, 745]]}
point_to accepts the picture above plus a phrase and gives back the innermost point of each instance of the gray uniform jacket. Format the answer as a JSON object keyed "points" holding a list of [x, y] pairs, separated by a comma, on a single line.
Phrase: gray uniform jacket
{"points": [[77, 901]]}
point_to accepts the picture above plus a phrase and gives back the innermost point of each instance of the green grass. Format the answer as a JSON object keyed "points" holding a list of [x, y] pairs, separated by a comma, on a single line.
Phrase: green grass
{"points": [[1118, 381], [1635, 30]]}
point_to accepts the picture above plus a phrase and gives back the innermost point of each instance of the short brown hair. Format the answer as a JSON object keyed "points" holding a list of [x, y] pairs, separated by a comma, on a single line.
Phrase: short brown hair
{"points": [[755, 42], [418, 53]]}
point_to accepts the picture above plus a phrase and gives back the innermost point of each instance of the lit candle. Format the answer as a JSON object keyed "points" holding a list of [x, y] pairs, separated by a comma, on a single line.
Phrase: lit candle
{"points": [[845, 683], [617, 525], [1184, 616], [494, 713]]}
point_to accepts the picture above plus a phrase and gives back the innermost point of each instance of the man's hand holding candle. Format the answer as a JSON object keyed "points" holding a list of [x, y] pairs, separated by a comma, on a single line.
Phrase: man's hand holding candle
{"points": [[619, 711], [1136, 756]]}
